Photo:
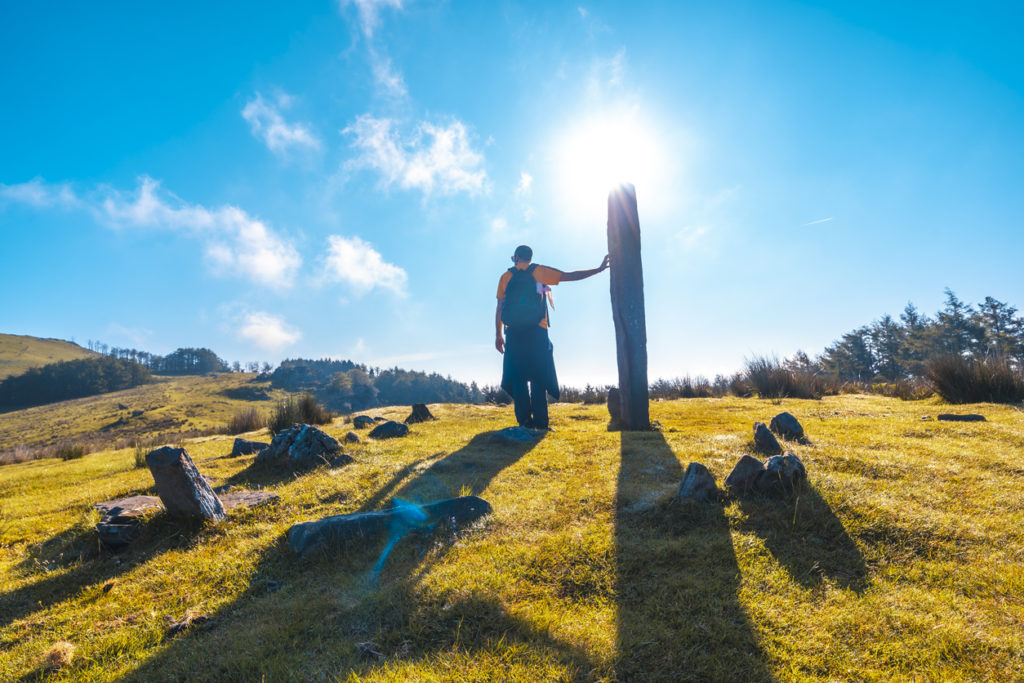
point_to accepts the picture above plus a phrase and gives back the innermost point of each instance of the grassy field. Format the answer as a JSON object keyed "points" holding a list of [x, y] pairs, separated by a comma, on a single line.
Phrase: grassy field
{"points": [[19, 353], [170, 405], [903, 558]]}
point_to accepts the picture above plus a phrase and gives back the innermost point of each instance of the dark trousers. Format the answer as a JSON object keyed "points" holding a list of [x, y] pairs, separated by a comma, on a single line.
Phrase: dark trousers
{"points": [[531, 405], [528, 375]]}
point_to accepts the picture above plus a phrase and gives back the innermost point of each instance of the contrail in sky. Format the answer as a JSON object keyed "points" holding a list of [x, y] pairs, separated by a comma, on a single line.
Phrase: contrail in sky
{"points": [[820, 220]]}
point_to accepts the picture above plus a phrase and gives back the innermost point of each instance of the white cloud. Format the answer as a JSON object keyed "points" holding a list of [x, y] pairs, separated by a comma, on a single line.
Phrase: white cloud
{"points": [[357, 264], [820, 220], [235, 242], [266, 122], [387, 78], [433, 159], [268, 332], [525, 186], [499, 224], [369, 12]]}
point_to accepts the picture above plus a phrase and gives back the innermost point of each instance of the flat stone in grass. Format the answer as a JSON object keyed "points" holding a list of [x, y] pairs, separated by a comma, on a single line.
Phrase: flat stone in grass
{"points": [[787, 426], [420, 413], [301, 446], [246, 447], [362, 422], [514, 435], [950, 417], [764, 440], [182, 489], [389, 430], [363, 527], [698, 484]]}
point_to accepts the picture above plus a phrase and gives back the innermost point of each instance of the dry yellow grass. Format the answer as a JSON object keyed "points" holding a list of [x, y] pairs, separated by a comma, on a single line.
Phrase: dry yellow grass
{"points": [[902, 560]]}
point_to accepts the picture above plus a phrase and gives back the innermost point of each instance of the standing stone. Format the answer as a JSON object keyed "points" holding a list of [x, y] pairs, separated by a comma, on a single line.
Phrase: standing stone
{"points": [[698, 484], [181, 488], [787, 426], [765, 440], [627, 291], [614, 404], [420, 413]]}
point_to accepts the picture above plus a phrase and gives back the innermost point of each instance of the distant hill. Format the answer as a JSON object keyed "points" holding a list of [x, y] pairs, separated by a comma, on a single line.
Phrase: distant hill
{"points": [[19, 353]]}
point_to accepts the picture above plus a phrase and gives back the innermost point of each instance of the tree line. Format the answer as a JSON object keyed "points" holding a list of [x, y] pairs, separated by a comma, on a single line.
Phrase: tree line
{"points": [[893, 349], [183, 361], [71, 379]]}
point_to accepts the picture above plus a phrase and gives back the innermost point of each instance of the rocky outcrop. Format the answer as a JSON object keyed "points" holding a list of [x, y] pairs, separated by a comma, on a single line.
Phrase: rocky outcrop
{"points": [[420, 413], [363, 422], [779, 474], [389, 430], [246, 447], [764, 440], [787, 426], [366, 527], [183, 491], [301, 446]]}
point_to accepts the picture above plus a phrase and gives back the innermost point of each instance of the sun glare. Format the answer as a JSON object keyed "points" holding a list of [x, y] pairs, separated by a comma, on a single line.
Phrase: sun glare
{"points": [[601, 152]]}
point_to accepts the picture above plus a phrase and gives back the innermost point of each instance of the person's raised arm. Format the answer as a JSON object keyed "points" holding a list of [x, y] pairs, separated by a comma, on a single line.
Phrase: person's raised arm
{"points": [[584, 274], [499, 341]]}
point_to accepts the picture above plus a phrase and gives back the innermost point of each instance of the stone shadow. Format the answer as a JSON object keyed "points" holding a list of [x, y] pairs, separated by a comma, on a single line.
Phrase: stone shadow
{"points": [[679, 614], [805, 536], [384, 619], [74, 560]]}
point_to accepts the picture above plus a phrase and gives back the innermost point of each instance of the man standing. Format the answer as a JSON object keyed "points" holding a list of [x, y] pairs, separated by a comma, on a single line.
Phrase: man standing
{"points": [[523, 316]]}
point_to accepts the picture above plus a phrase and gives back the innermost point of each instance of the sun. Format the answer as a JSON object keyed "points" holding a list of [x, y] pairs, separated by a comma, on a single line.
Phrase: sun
{"points": [[601, 151]]}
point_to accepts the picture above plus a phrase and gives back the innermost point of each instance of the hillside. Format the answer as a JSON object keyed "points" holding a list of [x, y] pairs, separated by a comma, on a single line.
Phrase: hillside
{"points": [[903, 558], [168, 406], [18, 353]]}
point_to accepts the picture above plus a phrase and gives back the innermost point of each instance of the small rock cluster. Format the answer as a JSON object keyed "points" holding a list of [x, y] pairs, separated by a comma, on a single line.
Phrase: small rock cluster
{"points": [[780, 474], [302, 446]]}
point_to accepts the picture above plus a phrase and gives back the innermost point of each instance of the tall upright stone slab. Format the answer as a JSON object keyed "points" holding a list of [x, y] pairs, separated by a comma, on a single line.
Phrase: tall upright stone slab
{"points": [[181, 488], [627, 289]]}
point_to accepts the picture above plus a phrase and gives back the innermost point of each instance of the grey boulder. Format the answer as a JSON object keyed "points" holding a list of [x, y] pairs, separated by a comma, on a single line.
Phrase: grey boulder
{"points": [[403, 517], [362, 421], [782, 474], [764, 440], [698, 484], [787, 426], [246, 447], [182, 490], [301, 446], [744, 476], [389, 430], [514, 435]]}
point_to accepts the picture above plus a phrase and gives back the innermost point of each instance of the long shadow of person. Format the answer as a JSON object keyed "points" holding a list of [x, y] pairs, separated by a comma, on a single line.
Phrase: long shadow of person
{"points": [[679, 614], [384, 622], [805, 536]]}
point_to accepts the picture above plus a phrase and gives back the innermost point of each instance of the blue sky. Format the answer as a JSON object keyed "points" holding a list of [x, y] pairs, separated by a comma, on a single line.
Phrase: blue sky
{"points": [[349, 179]]}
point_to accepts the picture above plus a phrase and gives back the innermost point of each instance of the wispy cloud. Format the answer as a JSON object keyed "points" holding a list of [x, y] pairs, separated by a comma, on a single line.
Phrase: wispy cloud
{"points": [[820, 220], [525, 186], [390, 81], [369, 12], [352, 261], [269, 332], [268, 124], [434, 158], [236, 244]]}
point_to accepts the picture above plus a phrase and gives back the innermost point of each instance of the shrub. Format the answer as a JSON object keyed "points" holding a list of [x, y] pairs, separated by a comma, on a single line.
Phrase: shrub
{"points": [[913, 389], [771, 379], [962, 379], [303, 409], [682, 387], [246, 420], [70, 451]]}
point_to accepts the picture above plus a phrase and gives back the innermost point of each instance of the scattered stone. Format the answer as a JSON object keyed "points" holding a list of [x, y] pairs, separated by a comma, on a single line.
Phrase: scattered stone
{"points": [[401, 518], [389, 430], [787, 426], [744, 476], [352, 437], [614, 404], [420, 413], [362, 421], [764, 440], [698, 484], [182, 490], [949, 417], [121, 406], [378, 418], [782, 474], [246, 447], [298, 447], [514, 435], [136, 413]]}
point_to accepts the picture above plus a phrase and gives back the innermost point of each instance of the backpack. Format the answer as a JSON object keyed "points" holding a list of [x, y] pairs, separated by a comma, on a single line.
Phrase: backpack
{"points": [[523, 306]]}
